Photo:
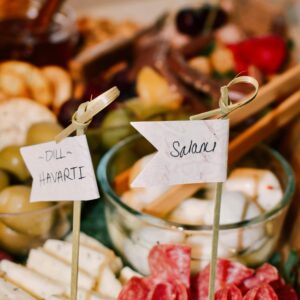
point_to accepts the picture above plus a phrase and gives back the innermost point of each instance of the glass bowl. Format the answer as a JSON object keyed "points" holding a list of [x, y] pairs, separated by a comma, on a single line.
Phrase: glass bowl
{"points": [[19, 232], [133, 233]]}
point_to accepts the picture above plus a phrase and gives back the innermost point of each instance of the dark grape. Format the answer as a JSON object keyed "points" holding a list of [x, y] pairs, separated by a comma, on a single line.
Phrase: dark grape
{"points": [[204, 11], [66, 112], [187, 21]]}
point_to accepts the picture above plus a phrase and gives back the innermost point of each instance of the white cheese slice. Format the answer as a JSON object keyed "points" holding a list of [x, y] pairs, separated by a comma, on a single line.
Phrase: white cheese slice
{"points": [[83, 294], [56, 269], [90, 261], [9, 291], [36, 284], [126, 274], [89, 242], [108, 284]]}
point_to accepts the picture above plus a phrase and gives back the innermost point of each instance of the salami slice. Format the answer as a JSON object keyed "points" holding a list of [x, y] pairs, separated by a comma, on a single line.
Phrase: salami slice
{"points": [[285, 292], [171, 262], [135, 289], [228, 272], [229, 292], [264, 274], [261, 292], [161, 291]]}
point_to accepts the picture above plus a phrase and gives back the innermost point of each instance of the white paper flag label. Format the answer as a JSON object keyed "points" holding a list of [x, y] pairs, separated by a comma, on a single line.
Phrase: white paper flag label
{"points": [[61, 171], [188, 152]]}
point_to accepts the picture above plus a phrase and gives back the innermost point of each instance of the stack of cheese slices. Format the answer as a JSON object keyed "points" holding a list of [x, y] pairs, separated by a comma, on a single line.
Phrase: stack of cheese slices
{"points": [[47, 274]]}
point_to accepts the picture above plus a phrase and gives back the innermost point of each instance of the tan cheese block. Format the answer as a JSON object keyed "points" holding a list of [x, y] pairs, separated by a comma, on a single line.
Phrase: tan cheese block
{"points": [[56, 269], [32, 282]]}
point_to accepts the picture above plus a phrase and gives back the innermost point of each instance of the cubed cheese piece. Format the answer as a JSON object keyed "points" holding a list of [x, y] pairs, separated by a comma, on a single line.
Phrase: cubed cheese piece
{"points": [[234, 208], [126, 274], [9, 291], [137, 248], [56, 269], [36, 284], [108, 284], [190, 211], [114, 261], [201, 250], [90, 261], [258, 184]]}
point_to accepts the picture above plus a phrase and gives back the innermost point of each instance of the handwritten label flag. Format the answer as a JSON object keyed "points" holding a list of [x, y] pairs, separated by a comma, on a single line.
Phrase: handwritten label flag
{"points": [[61, 171], [188, 152]]}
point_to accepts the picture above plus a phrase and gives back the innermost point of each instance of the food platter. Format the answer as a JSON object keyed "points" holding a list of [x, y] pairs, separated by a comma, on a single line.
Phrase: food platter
{"points": [[210, 92]]}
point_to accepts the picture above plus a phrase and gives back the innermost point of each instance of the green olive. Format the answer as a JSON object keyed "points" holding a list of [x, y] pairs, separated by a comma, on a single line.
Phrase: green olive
{"points": [[25, 217], [14, 242], [4, 180], [12, 161], [42, 132], [115, 127]]}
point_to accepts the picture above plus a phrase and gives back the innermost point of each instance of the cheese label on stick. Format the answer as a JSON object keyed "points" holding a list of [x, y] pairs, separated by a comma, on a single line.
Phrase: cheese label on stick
{"points": [[61, 171], [188, 152]]}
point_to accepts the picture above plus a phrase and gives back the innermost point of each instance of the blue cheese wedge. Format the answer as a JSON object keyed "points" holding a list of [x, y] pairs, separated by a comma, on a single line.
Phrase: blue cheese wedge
{"points": [[9, 291], [90, 261], [32, 282], [56, 269], [89, 242]]}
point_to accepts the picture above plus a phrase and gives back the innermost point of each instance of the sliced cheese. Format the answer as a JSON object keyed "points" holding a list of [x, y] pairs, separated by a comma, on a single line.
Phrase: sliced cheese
{"points": [[87, 241], [90, 261], [108, 284], [9, 291], [83, 294], [56, 269], [36, 284], [127, 273], [56, 298]]}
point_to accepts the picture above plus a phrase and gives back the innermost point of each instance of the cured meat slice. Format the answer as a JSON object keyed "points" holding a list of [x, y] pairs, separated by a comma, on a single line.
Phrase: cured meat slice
{"points": [[228, 272], [171, 262], [135, 289], [264, 274], [161, 291], [229, 292], [285, 292], [261, 292]]}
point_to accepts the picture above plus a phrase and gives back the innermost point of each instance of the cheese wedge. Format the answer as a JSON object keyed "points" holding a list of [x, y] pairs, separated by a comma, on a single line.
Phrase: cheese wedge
{"points": [[9, 291], [114, 261], [108, 284], [56, 269], [126, 274], [32, 282], [90, 261]]}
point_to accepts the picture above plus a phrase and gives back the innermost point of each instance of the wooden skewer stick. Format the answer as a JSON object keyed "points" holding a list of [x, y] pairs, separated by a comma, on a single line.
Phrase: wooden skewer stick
{"points": [[80, 121], [242, 144]]}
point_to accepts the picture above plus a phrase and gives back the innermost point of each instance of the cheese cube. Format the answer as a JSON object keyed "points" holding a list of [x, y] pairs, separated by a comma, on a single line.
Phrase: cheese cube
{"points": [[9, 291], [38, 285], [190, 211], [108, 284], [90, 261], [126, 274], [56, 269]]}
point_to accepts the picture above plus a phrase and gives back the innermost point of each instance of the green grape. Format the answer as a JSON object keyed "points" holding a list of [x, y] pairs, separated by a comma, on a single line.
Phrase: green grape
{"points": [[12, 161]]}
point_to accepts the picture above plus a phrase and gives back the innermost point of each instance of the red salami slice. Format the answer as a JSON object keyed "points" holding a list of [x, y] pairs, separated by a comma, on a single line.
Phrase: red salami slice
{"points": [[286, 293], [229, 292], [228, 272], [264, 274], [171, 262], [135, 289], [261, 292], [161, 291]]}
